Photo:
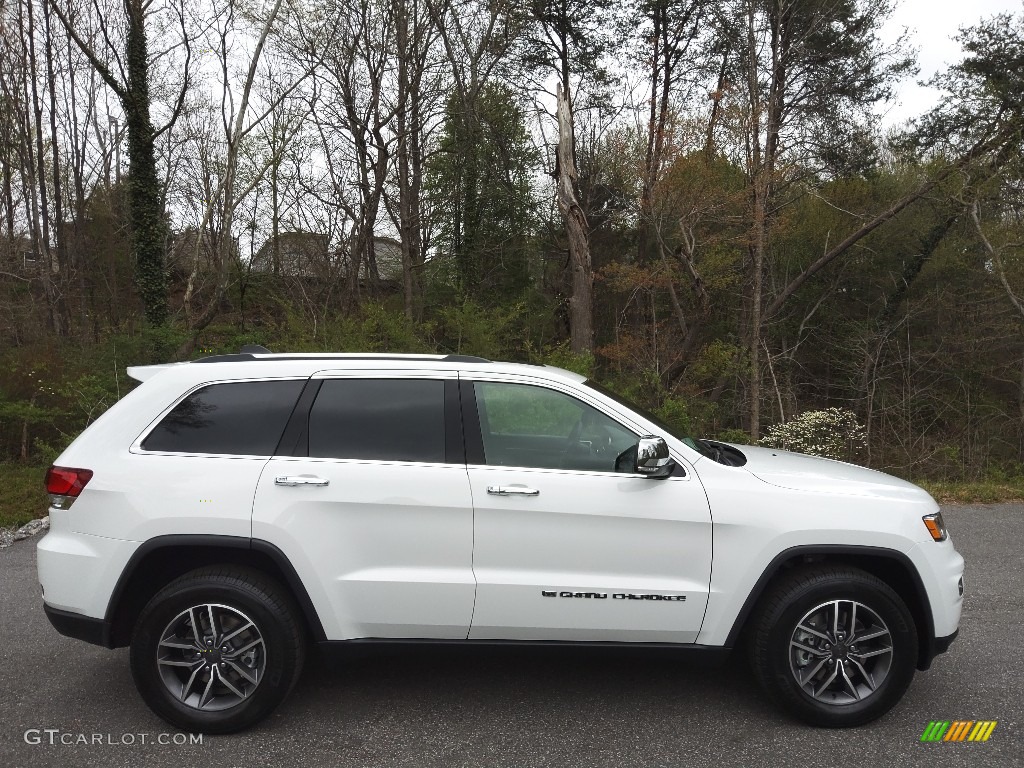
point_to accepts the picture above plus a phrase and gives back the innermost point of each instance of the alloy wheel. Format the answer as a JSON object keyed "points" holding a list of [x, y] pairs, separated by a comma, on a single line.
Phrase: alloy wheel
{"points": [[840, 652], [211, 657]]}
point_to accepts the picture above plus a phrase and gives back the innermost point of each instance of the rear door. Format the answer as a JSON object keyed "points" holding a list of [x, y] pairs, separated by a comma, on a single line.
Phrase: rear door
{"points": [[373, 506], [566, 546]]}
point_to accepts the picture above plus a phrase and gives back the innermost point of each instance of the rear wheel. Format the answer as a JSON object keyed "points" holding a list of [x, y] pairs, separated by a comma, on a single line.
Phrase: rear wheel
{"points": [[836, 646], [217, 649]]}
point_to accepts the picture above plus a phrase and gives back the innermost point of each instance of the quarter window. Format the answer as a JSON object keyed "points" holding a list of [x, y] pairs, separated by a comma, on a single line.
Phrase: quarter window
{"points": [[379, 419], [527, 426], [240, 418]]}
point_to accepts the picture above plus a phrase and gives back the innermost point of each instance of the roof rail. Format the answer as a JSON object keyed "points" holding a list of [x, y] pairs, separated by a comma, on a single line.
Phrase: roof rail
{"points": [[250, 353], [465, 359]]}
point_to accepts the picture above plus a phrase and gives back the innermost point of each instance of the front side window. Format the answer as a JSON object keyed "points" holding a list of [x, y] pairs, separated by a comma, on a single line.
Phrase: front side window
{"points": [[528, 426], [379, 419], [244, 418]]}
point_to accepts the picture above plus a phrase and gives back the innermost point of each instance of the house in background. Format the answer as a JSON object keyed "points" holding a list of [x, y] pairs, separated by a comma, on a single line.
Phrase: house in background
{"points": [[309, 254], [182, 253], [388, 253], [297, 254]]}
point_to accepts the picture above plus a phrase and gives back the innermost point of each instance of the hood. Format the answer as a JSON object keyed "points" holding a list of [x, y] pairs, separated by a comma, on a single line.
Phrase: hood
{"points": [[799, 472]]}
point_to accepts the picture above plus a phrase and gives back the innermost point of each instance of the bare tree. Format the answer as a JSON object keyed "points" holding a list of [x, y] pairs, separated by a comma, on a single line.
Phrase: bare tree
{"points": [[417, 86], [124, 64], [569, 39], [226, 193]]}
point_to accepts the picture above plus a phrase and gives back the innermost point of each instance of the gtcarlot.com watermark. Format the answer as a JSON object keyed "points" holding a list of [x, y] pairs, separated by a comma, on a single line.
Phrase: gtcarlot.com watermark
{"points": [[57, 737]]}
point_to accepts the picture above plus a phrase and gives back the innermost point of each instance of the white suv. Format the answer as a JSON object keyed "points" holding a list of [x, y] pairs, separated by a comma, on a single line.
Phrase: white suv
{"points": [[229, 510]]}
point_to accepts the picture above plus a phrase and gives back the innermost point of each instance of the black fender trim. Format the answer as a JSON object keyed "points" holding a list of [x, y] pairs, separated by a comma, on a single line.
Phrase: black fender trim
{"points": [[930, 645], [203, 541]]}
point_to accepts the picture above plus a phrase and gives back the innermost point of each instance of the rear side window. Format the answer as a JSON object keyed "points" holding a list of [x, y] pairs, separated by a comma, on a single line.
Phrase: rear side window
{"points": [[242, 418], [379, 419]]}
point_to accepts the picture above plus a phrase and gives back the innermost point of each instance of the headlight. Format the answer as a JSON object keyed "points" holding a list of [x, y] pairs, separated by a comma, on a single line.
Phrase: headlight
{"points": [[935, 526]]}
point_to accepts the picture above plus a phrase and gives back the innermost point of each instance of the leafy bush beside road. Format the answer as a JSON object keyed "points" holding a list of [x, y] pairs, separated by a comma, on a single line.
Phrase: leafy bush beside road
{"points": [[832, 433], [22, 495]]}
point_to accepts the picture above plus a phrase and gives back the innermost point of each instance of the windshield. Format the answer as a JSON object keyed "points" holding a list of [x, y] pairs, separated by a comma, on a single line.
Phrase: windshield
{"points": [[678, 434]]}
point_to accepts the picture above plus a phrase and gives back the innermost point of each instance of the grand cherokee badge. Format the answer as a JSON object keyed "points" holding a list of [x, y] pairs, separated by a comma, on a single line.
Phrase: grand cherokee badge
{"points": [[615, 595]]}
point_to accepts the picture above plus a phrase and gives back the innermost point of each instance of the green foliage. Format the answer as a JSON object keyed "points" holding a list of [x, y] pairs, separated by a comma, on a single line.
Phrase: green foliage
{"points": [[983, 93], [469, 329], [23, 496], [980, 492], [49, 394], [562, 356], [734, 436], [574, 34], [376, 328], [675, 412], [833, 433], [479, 184], [648, 392]]}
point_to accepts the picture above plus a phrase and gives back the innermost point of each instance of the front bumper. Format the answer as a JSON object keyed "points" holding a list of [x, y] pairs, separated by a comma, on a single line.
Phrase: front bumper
{"points": [[935, 647], [941, 569]]}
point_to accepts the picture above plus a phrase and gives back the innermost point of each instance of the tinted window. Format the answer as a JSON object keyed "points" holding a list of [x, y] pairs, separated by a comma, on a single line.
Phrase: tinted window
{"points": [[380, 419], [526, 426], [243, 418]]}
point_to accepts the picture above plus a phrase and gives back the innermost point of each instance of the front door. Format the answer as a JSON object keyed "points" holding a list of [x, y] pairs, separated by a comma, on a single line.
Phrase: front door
{"points": [[566, 547]]}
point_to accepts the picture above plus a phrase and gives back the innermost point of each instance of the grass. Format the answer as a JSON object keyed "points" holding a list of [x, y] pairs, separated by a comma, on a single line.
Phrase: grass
{"points": [[22, 495], [981, 492]]}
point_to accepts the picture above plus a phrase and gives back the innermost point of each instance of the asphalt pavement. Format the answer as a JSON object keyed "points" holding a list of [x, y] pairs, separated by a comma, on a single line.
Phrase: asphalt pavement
{"points": [[66, 703]]}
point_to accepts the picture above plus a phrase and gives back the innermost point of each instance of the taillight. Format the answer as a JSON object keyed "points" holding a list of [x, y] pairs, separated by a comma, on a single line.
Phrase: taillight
{"points": [[64, 484]]}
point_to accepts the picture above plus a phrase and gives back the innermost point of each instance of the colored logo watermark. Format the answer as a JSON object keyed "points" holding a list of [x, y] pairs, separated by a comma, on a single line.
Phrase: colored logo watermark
{"points": [[958, 730]]}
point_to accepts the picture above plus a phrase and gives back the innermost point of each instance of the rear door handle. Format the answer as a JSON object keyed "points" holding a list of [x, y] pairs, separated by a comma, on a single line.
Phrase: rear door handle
{"points": [[293, 480], [512, 490]]}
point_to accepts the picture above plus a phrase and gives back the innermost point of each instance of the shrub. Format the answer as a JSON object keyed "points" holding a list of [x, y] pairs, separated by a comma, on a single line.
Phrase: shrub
{"points": [[734, 436], [833, 433]]}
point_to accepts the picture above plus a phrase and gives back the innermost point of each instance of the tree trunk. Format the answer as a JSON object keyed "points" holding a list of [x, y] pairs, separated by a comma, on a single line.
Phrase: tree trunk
{"points": [[61, 267], [757, 252], [47, 264], [758, 165], [407, 116], [655, 130], [581, 303]]}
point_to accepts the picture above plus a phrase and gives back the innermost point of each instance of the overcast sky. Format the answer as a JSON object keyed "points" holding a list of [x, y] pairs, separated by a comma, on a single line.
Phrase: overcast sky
{"points": [[932, 25]]}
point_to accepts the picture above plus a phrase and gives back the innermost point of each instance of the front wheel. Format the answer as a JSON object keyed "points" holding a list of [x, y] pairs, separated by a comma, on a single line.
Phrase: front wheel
{"points": [[217, 649], [836, 646]]}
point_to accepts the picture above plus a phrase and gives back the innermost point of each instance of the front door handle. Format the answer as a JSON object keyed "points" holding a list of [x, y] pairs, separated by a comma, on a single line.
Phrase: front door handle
{"points": [[512, 490], [293, 480]]}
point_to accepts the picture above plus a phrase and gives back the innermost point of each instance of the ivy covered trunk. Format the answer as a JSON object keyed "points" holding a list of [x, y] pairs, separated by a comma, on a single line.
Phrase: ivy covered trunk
{"points": [[149, 229]]}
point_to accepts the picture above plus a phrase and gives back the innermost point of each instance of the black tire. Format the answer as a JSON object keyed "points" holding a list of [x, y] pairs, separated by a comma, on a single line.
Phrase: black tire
{"points": [[858, 694], [275, 659]]}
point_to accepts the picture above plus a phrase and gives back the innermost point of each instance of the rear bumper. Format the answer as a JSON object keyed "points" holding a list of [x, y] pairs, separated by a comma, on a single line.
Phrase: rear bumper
{"points": [[78, 571], [70, 624]]}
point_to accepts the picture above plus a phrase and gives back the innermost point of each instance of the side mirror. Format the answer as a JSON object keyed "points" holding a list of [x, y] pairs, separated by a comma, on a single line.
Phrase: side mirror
{"points": [[652, 457]]}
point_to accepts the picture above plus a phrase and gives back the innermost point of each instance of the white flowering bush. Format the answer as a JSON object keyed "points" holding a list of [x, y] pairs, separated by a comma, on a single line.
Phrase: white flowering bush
{"points": [[833, 433]]}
